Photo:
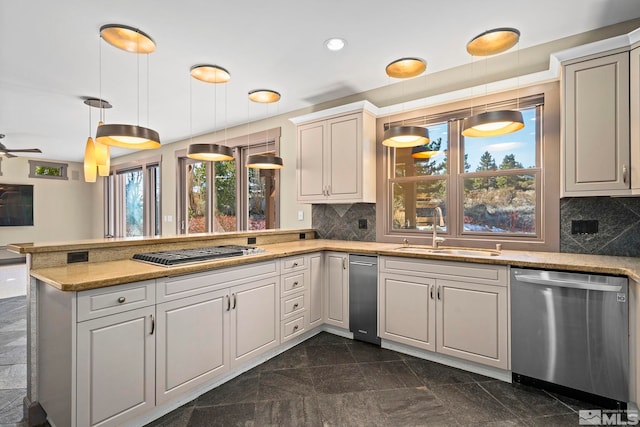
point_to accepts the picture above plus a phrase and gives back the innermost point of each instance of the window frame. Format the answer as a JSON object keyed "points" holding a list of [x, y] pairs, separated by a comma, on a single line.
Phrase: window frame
{"points": [[547, 178], [113, 197], [242, 146], [34, 164]]}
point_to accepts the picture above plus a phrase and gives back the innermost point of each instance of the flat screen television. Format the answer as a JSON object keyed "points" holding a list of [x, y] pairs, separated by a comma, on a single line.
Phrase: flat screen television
{"points": [[16, 205]]}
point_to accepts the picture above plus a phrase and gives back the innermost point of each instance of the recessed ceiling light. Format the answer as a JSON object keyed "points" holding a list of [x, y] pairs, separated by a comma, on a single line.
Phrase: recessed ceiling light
{"points": [[335, 44]]}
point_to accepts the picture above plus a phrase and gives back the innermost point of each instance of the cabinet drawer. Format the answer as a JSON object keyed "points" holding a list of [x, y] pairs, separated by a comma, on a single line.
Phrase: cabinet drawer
{"points": [[293, 263], [463, 271], [293, 283], [292, 305], [115, 299], [292, 328]]}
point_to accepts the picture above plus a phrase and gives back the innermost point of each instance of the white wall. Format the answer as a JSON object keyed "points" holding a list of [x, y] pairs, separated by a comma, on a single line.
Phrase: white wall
{"points": [[63, 209]]}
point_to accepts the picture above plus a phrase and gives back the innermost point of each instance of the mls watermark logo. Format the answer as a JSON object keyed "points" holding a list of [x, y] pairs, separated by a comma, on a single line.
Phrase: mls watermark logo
{"points": [[605, 417]]}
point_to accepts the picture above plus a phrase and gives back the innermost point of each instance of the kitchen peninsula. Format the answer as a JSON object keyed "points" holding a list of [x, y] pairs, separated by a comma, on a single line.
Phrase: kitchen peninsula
{"points": [[145, 295]]}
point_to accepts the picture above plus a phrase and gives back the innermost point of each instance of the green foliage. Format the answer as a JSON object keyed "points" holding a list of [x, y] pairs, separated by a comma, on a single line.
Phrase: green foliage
{"points": [[48, 171]]}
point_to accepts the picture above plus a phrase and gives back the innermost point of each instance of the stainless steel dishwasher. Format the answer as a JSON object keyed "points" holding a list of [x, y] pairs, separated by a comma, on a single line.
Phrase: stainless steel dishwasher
{"points": [[571, 329], [363, 298]]}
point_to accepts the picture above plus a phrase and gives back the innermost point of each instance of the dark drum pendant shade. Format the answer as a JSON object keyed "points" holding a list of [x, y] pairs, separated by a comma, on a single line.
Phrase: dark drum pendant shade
{"points": [[264, 161], [406, 136], [492, 123], [128, 136], [423, 152], [209, 152]]}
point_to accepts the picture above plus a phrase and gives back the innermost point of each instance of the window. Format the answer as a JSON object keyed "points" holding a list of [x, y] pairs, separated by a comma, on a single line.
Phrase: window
{"points": [[51, 170], [227, 196], [486, 190], [132, 199]]}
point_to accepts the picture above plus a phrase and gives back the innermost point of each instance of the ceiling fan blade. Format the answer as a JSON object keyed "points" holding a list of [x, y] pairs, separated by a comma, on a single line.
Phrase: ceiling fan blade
{"points": [[27, 150]]}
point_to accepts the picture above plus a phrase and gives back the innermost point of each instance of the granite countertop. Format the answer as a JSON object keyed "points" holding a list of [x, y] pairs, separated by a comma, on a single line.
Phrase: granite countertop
{"points": [[82, 276]]}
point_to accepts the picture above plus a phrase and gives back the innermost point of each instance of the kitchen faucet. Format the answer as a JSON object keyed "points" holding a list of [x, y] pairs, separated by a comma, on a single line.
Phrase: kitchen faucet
{"points": [[436, 240]]}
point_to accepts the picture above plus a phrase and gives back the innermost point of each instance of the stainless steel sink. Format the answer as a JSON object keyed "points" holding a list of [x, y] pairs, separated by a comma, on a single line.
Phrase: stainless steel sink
{"points": [[447, 251]]}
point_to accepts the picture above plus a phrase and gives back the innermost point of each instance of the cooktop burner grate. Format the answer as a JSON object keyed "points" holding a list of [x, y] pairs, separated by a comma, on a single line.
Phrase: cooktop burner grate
{"points": [[183, 256]]}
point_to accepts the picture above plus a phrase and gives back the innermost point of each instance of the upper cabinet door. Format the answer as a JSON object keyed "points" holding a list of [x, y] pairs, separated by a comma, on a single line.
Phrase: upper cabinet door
{"points": [[311, 162], [634, 90], [344, 176], [596, 127], [337, 160]]}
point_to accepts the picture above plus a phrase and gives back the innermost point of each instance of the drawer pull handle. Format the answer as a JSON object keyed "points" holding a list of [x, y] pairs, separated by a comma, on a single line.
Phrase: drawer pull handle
{"points": [[295, 284], [121, 300], [295, 328], [295, 264], [295, 306]]}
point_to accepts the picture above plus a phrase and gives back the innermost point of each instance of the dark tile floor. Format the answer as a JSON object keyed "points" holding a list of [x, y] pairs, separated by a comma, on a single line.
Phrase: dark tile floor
{"points": [[332, 381], [13, 359]]}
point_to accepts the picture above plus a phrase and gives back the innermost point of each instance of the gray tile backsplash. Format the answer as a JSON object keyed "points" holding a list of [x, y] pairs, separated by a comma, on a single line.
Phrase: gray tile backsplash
{"points": [[618, 225], [340, 222]]}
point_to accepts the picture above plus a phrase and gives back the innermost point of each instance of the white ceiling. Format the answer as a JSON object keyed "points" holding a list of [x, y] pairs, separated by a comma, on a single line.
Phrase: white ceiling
{"points": [[50, 56]]}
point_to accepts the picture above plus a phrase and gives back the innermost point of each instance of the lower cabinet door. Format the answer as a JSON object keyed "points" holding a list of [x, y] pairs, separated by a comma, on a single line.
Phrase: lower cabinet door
{"points": [[472, 322], [255, 319], [407, 310], [316, 287], [336, 289], [115, 367], [192, 346]]}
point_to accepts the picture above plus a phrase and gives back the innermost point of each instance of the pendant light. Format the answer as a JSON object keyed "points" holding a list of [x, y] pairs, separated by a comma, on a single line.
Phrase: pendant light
{"points": [[423, 152], [501, 122], [405, 136], [102, 152], [264, 160], [90, 167], [124, 135], [210, 152]]}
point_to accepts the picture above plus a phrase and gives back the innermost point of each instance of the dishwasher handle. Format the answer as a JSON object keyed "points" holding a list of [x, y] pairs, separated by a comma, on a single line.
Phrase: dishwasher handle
{"points": [[537, 279], [364, 264]]}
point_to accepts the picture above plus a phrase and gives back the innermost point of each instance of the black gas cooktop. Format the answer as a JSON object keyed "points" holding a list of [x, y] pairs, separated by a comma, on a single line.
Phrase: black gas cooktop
{"points": [[184, 256]]}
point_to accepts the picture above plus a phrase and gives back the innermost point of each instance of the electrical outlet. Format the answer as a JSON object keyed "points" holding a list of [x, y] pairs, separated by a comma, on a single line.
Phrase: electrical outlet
{"points": [[300, 215], [584, 226], [362, 224]]}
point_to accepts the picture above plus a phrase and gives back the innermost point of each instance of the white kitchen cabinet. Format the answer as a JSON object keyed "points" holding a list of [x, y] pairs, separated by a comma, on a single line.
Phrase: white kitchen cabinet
{"points": [[634, 88], [255, 319], [337, 159], [452, 308], [316, 288], [407, 310], [336, 287], [115, 367], [472, 322], [192, 342], [596, 144]]}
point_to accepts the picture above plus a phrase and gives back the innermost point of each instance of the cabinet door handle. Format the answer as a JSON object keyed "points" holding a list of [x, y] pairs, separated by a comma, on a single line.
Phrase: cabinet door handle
{"points": [[228, 303], [121, 300], [153, 325], [624, 173], [234, 301], [439, 292], [431, 291], [329, 190], [344, 263]]}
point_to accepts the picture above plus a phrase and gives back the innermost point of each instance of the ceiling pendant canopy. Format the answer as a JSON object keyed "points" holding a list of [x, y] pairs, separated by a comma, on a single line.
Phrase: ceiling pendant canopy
{"points": [[127, 38], [492, 123], [494, 41], [210, 73], [405, 68], [264, 96]]}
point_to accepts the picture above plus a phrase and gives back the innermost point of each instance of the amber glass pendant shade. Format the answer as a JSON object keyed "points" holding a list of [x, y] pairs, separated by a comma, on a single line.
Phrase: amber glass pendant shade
{"points": [[405, 68], [493, 41], [127, 38]]}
